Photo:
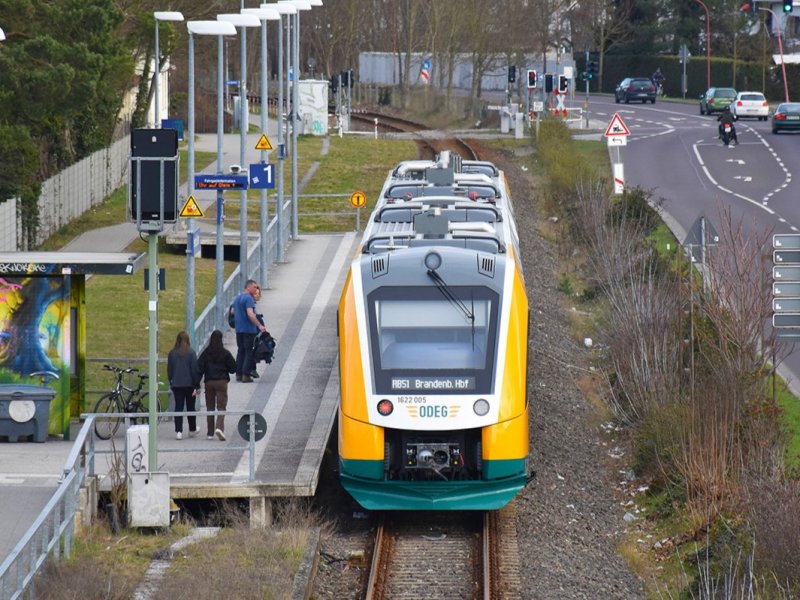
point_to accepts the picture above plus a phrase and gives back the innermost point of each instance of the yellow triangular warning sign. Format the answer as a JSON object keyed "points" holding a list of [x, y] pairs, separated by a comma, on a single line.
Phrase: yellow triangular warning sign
{"points": [[263, 143], [191, 208]]}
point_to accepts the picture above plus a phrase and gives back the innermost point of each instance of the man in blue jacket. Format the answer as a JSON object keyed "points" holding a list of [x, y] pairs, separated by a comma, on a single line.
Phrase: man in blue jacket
{"points": [[247, 327]]}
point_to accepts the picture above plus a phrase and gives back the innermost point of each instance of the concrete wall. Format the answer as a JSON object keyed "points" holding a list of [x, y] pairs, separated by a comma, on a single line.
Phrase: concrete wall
{"points": [[8, 225]]}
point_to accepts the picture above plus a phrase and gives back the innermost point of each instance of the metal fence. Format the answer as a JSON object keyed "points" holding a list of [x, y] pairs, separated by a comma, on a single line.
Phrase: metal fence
{"points": [[53, 530], [212, 316], [131, 418]]}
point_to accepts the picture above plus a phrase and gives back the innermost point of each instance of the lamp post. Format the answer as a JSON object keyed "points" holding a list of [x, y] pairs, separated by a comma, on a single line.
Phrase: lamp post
{"points": [[168, 15], [299, 5], [243, 21], [708, 43], [219, 29], [778, 28], [283, 9], [264, 14]]}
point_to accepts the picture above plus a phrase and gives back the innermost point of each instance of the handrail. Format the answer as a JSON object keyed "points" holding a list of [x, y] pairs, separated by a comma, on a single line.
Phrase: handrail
{"points": [[54, 528]]}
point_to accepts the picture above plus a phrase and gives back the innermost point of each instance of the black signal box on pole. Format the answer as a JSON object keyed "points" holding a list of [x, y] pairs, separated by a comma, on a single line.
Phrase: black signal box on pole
{"points": [[154, 182], [549, 85], [512, 74]]}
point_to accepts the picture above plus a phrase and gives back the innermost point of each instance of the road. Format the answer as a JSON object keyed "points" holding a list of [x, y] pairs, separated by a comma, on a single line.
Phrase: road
{"points": [[674, 152]]}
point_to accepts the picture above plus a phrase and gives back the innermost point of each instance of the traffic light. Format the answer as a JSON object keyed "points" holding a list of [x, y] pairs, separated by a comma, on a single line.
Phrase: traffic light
{"points": [[531, 79], [563, 84], [548, 82], [512, 74], [787, 6], [591, 69]]}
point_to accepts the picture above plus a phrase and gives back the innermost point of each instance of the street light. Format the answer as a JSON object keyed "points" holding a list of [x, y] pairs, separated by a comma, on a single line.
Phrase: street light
{"points": [[264, 14], [243, 21], [779, 27], [299, 5], [708, 44], [283, 9], [749, 7], [219, 29], [167, 15]]}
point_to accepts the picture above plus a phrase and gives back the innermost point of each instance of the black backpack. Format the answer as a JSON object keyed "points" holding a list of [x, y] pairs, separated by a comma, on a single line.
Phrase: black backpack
{"points": [[231, 317], [263, 347]]}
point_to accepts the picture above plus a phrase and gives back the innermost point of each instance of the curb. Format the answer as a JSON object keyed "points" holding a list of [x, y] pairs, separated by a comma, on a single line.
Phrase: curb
{"points": [[304, 578]]}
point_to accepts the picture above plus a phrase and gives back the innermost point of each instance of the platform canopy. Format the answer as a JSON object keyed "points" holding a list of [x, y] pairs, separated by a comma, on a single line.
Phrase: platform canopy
{"points": [[70, 263]]}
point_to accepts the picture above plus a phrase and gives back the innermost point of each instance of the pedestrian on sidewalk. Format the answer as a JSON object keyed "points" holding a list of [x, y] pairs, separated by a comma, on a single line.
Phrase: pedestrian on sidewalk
{"points": [[183, 372], [247, 327], [216, 364]]}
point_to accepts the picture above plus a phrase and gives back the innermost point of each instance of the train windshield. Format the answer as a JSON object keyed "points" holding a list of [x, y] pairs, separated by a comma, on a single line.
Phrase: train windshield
{"points": [[424, 341]]}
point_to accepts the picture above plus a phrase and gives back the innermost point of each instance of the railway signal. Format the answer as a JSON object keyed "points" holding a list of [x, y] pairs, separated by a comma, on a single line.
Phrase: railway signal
{"points": [[548, 82], [563, 84]]}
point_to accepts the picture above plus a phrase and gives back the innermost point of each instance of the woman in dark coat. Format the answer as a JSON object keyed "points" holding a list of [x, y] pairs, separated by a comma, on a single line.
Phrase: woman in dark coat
{"points": [[184, 381], [216, 364]]}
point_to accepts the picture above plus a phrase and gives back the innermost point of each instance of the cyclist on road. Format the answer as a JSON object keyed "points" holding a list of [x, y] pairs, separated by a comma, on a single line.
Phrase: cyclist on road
{"points": [[183, 372], [658, 80]]}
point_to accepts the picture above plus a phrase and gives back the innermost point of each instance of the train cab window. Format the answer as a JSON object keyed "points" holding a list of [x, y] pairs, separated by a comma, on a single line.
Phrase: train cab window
{"points": [[422, 341]]}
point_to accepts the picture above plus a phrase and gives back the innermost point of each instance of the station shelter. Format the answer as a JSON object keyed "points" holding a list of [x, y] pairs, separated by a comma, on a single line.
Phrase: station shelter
{"points": [[43, 322]]}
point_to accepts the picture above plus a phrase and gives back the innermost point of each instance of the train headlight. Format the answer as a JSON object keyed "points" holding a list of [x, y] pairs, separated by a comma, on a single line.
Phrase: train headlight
{"points": [[481, 407], [385, 407], [433, 260]]}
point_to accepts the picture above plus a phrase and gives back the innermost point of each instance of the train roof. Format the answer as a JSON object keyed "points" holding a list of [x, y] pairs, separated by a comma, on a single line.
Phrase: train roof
{"points": [[444, 202], [436, 221]]}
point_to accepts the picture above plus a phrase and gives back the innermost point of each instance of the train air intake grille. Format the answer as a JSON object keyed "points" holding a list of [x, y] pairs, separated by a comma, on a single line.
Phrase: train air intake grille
{"points": [[486, 265], [380, 266]]}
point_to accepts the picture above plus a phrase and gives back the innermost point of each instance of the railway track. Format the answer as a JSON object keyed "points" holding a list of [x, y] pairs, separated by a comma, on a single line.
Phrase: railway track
{"points": [[429, 144], [463, 555]]}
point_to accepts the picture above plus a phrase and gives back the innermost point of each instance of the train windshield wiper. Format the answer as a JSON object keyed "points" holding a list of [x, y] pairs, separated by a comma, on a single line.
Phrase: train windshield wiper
{"points": [[451, 297]]}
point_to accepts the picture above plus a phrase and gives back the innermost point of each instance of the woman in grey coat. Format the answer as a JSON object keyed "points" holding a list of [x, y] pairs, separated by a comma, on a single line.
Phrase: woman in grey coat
{"points": [[184, 381]]}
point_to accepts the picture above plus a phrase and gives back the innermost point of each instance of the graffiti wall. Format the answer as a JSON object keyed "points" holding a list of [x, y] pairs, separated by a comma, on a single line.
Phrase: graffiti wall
{"points": [[313, 107], [35, 338]]}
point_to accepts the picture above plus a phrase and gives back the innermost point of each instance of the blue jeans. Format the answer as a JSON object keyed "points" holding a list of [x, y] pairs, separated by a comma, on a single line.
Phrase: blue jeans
{"points": [[245, 363]]}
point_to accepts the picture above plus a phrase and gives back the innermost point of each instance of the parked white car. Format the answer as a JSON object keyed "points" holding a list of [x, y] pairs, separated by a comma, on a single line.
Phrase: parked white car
{"points": [[750, 104]]}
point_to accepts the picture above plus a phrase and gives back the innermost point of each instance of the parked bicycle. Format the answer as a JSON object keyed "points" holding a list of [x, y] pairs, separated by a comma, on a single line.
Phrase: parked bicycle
{"points": [[122, 399]]}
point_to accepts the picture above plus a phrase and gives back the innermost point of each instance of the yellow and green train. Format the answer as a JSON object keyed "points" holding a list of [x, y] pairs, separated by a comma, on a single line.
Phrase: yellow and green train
{"points": [[433, 338]]}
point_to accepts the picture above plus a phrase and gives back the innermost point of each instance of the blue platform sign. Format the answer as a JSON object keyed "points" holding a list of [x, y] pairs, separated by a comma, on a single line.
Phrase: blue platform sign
{"points": [[220, 182], [176, 124], [262, 176]]}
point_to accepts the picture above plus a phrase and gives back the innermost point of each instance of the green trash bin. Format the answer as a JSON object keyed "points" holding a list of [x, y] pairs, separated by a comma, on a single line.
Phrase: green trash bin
{"points": [[25, 411]]}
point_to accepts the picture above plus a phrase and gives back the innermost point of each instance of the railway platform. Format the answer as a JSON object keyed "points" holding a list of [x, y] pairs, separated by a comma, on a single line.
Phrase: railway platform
{"points": [[296, 394]]}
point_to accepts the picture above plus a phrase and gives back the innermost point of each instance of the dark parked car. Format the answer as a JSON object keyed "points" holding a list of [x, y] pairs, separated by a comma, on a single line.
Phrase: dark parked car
{"points": [[716, 99], [635, 88], [786, 117]]}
